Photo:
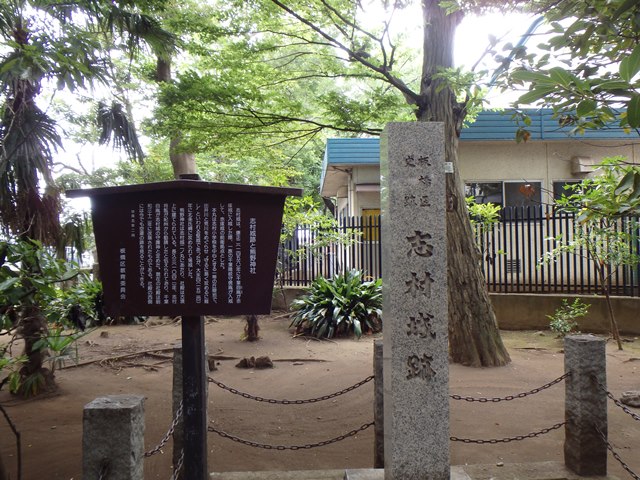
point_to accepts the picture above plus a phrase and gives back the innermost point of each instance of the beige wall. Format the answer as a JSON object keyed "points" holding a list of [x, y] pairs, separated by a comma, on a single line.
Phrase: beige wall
{"points": [[366, 174], [529, 312], [539, 161], [545, 162], [535, 161]]}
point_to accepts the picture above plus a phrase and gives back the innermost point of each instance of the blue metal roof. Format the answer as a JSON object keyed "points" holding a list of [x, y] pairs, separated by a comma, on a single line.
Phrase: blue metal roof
{"points": [[343, 151], [489, 126], [498, 125], [350, 151]]}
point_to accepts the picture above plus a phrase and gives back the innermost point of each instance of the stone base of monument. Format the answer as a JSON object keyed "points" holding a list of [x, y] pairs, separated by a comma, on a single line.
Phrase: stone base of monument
{"points": [[509, 471]]}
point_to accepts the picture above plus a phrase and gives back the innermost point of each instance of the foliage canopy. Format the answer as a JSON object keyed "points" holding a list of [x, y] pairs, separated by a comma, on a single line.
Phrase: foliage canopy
{"points": [[588, 71]]}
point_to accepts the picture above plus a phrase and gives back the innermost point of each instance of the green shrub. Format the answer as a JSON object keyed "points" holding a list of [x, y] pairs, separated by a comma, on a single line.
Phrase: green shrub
{"points": [[339, 306], [44, 301], [563, 321]]}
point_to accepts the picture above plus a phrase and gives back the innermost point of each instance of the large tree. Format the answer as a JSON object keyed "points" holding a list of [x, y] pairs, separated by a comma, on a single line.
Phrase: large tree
{"points": [[354, 79], [248, 95], [48, 45], [66, 47]]}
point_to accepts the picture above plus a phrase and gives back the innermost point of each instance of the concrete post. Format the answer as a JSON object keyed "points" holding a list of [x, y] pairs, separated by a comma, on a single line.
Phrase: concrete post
{"points": [[178, 432], [585, 451], [414, 290], [113, 438], [378, 406]]}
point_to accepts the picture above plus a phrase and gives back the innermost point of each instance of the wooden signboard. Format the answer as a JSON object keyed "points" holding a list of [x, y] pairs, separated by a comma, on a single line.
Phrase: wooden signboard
{"points": [[187, 247]]}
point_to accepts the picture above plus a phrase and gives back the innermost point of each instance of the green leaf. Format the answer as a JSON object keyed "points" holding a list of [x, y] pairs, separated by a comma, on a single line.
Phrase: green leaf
{"points": [[40, 344], [322, 330], [633, 111], [8, 283], [626, 182], [585, 107], [69, 275], [561, 76], [630, 65], [357, 327], [612, 85], [625, 6], [535, 95], [527, 76]]}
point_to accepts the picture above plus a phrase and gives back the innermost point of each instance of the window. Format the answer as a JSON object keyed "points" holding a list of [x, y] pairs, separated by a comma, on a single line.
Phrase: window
{"points": [[522, 194], [559, 188], [487, 192], [507, 194]]}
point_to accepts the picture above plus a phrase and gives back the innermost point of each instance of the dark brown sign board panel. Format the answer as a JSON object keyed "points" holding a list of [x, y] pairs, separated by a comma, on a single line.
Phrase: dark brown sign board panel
{"points": [[187, 247]]}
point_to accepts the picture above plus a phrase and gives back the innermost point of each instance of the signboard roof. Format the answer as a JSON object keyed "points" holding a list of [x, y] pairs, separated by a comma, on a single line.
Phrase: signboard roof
{"points": [[182, 185]]}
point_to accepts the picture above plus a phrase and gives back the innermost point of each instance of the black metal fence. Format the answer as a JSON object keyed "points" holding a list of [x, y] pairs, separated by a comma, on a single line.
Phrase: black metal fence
{"points": [[353, 244], [511, 252]]}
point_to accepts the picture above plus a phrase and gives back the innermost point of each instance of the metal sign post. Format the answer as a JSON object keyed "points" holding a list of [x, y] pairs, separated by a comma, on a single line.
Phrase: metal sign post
{"points": [[194, 398]]}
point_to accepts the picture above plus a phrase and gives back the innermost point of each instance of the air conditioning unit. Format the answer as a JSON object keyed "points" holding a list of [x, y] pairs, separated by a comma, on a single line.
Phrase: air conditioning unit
{"points": [[583, 165]]}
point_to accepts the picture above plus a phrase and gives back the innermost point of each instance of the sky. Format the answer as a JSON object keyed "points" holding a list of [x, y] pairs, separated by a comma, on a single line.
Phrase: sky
{"points": [[472, 35], [472, 38]]}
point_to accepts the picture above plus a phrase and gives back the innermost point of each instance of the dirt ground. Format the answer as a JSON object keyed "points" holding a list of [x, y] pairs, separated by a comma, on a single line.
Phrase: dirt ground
{"points": [[51, 427]]}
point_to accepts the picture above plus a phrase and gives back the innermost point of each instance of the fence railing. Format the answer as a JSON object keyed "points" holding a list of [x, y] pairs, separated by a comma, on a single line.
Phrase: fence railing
{"points": [[511, 252], [586, 425], [353, 244]]}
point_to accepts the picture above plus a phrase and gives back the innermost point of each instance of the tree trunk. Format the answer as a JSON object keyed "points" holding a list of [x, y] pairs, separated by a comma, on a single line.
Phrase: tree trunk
{"points": [[604, 282], [34, 377], [182, 162], [474, 337], [612, 319], [251, 329]]}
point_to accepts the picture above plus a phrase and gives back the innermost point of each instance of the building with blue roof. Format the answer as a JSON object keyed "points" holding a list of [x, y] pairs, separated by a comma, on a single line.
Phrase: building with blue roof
{"points": [[492, 164]]}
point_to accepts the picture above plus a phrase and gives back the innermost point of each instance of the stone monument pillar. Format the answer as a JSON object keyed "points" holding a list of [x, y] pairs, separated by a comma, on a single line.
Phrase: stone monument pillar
{"points": [[113, 438], [585, 449], [414, 272], [378, 404]]}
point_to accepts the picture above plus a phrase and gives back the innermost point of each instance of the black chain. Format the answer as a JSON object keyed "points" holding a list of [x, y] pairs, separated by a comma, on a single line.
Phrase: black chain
{"points": [[616, 456], [511, 397], [289, 447], [508, 439], [289, 402], [104, 470], [635, 416], [176, 473], [167, 435], [18, 442]]}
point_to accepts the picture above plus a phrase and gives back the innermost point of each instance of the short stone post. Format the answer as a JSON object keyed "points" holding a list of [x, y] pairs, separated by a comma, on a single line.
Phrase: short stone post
{"points": [[585, 451], [113, 438], [378, 406], [178, 432], [414, 270]]}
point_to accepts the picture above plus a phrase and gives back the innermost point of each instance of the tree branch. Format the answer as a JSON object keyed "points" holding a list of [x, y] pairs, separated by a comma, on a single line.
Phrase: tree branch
{"points": [[267, 121], [316, 75], [411, 96]]}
